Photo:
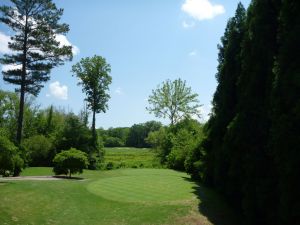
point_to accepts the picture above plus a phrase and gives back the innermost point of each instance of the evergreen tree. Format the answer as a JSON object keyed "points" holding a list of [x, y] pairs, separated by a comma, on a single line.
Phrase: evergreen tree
{"points": [[35, 48], [251, 126], [284, 144], [225, 100]]}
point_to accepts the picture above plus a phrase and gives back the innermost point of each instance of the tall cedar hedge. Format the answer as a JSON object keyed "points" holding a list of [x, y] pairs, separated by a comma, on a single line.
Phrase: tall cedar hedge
{"points": [[252, 144]]}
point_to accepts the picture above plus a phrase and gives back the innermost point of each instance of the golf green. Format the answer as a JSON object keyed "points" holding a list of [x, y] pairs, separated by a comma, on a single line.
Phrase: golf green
{"points": [[147, 185]]}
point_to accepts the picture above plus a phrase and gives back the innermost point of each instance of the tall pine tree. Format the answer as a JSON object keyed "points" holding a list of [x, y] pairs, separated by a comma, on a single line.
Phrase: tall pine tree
{"points": [[35, 49]]}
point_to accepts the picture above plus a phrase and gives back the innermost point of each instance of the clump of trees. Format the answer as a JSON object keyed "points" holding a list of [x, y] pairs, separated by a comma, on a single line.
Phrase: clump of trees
{"points": [[46, 132], [177, 144], [70, 161]]}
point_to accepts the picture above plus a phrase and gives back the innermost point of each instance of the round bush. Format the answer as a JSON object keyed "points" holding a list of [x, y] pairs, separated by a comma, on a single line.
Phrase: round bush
{"points": [[70, 162]]}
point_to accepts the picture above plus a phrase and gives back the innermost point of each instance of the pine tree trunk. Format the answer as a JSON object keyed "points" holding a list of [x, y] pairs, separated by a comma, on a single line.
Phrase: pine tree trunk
{"points": [[21, 113], [22, 90]]}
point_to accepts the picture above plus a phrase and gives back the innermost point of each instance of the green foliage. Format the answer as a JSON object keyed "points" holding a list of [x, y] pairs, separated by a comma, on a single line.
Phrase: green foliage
{"points": [[161, 141], [187, 136], [74, 134], [35, 24], [94, 77], [178, 145], [129, 158], [113, 142], [173, 100], [10, 160], [251, 151], [139, 132], [39, 150], [285, 115], [135, 136], [70, 162]]}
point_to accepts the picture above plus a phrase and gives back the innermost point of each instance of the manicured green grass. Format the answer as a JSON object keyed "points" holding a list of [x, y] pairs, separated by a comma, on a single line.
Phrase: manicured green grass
{"points": [[127, 196], [148, 185], [131, 158]]}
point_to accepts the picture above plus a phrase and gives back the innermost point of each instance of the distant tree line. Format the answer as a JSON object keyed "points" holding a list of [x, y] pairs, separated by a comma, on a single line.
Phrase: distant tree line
{"points": [[134, 136]]}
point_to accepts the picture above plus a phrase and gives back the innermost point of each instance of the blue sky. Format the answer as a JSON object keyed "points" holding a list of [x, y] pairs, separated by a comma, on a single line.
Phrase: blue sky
{"points": [[145, 42]]}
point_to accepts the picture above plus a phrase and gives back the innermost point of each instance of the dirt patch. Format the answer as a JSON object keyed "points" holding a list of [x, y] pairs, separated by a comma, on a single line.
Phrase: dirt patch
{"points": [[193, 219]]}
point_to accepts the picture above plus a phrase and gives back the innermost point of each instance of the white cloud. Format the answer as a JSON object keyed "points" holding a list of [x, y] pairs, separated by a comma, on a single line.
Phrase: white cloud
{"points": [[205, 112], [59, 91], [202, 9], [11, 67], [64, 41], [188, 25], [193, 53], [4, 39], [119, 91]]}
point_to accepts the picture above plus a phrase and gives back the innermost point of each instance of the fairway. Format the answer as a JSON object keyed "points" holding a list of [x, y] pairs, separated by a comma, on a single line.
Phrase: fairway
{"points": [[148, 185], [124, 196]]}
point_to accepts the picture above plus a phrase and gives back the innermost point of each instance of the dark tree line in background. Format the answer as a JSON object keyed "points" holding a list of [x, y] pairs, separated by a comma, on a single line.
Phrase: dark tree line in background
{"points": [[134, 136], [252, 152]]}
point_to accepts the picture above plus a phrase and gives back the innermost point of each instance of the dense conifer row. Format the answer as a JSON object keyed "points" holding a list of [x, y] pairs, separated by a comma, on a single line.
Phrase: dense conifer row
{"points": [[252, 151]]}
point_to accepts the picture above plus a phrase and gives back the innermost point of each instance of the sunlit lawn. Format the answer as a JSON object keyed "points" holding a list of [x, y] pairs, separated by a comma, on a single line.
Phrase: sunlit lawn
{"points": [[124, 196]]}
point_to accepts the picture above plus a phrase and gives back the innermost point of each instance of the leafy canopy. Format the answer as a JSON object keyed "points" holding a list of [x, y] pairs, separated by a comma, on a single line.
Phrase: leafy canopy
{"points": [[94, 77], [173, 100], [70, 162]]}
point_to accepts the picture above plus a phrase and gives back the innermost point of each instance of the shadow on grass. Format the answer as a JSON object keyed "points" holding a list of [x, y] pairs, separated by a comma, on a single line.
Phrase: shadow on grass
{"points": [[213, 206], [4, 182], [67, 177]]}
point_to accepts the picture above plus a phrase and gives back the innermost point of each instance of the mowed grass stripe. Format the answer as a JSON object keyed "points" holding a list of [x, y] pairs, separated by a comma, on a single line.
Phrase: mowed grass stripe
{"points": [[138, 187]]}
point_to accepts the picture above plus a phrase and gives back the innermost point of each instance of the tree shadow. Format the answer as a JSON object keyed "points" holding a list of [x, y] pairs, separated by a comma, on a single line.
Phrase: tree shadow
{"points": [[4, 182], [68, 177], [213, 206]]}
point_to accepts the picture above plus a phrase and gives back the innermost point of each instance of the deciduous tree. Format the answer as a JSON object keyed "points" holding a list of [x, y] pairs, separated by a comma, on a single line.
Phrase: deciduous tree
{"points": [[173, 100], [94, 77]]}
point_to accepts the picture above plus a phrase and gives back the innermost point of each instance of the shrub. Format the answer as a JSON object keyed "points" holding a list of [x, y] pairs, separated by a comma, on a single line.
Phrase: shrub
{"points": [[70, 162], [113, 142], [10, 160], [39, 149]]}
